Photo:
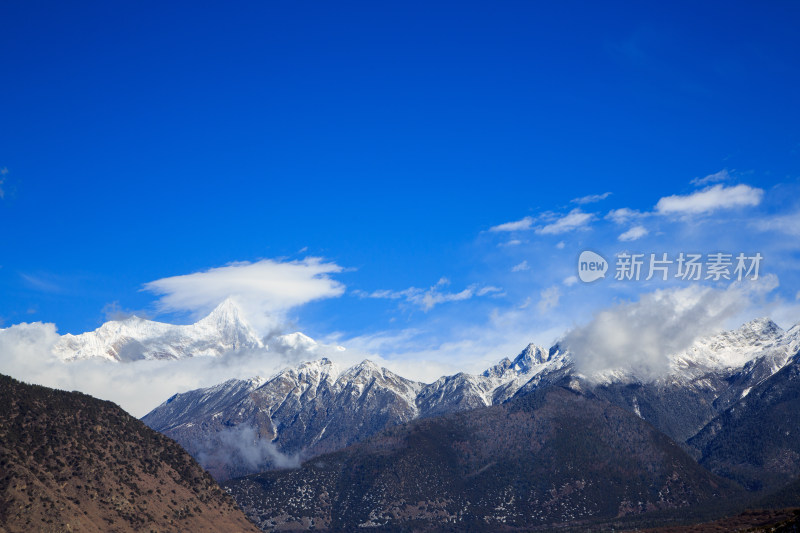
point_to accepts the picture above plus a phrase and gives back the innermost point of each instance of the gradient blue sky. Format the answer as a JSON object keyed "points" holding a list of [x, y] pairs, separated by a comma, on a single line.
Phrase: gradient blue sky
{"points": [[141, 141]]}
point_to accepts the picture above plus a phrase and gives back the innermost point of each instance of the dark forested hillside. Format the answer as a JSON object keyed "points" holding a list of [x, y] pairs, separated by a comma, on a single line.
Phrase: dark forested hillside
{"points": [[70, 462], [552, 457]]}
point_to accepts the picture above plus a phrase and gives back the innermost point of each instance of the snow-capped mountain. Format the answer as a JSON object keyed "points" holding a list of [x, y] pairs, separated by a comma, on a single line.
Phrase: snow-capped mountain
{"points": [[317, 407], [704, 379], [223, 330], [314, 407]]}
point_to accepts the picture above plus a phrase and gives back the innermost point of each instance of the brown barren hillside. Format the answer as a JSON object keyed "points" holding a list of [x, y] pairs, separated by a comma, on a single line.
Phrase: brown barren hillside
{"points": [[70, 462]]}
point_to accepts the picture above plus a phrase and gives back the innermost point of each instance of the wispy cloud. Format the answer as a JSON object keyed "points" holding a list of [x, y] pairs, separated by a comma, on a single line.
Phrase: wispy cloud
{"points": [[517, 225], [788, 224], [113, 311], [574, 220], [591, 198], [717, 177], [521, 266], [43, 283], [623, 215], [3, 173], [549, 298], [549, 223], [266, 289], [710, 199], [636, 232], [427, 299]]}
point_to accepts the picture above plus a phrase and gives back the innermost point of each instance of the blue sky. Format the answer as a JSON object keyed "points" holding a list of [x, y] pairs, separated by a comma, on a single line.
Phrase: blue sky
{"points": [[145, 141]]}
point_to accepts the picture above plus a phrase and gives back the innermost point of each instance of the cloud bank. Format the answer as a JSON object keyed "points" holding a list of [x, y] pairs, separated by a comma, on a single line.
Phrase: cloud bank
{"points": [[640, 336], [138, 386]]}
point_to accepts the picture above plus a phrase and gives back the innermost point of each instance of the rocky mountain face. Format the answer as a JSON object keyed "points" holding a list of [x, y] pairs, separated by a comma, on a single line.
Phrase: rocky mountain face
{"points": [[554, 457], [134, 338], [316, 407], [70, 462], [756, 441]]}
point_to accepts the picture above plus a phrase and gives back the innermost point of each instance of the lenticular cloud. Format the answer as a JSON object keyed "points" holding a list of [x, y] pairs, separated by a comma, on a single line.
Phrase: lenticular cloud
{"points": [[266, 289]]}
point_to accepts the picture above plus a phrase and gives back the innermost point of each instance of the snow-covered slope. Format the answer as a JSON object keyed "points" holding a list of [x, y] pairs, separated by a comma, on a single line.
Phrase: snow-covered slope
{"points": [[312, 408], [495, 385], [736, 348], [704, 379], [135, 338], [317, 407]]}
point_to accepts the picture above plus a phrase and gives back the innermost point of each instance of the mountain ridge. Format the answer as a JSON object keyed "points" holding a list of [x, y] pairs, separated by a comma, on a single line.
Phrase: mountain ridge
{"points": [[302, 410]]}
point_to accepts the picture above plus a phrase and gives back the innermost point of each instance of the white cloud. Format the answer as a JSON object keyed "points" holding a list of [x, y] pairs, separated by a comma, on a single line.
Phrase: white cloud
{"points": [[561, 245], [591, 198], [710, 199], [570, 281], [788, 224], [722, 175], [266, 289], [549, 298], [575, 219], [427, 299], [512, 242], [797, 296], [636, 232], [640, 336], [623, 214], [517, 225], [483, 291], [521, 267]]}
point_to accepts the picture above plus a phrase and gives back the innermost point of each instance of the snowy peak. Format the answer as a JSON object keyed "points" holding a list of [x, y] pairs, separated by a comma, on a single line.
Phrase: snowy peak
{"points": [[732, 349], [134, 338], [530, 356], [225, 315]]}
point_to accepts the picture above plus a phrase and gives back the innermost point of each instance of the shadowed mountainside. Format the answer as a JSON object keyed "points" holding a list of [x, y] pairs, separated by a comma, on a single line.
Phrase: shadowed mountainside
{"points": [[550, 458]]}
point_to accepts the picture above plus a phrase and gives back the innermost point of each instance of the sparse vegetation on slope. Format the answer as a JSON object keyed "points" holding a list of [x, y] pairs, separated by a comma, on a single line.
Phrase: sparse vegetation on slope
{"points": [[70, 462]]}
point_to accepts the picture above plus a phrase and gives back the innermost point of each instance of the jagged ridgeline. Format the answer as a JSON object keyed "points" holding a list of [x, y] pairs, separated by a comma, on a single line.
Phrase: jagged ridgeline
{"points": [[245, 426], [70, 462]]}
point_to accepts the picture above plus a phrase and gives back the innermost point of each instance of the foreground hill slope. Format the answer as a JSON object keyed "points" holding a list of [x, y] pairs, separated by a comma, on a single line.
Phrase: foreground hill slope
{"points": [[70, 462], [553, 457]]}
